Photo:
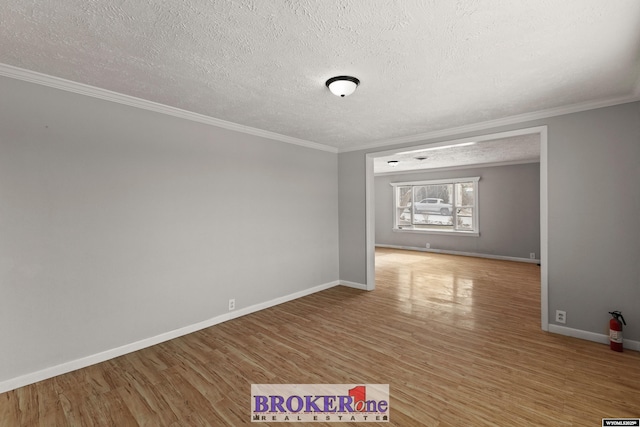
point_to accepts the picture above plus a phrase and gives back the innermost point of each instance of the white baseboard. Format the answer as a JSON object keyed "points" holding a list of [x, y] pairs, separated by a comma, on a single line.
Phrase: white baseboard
{"points": [[353, 285], [472, 254], [591, 336], [83, 362]]}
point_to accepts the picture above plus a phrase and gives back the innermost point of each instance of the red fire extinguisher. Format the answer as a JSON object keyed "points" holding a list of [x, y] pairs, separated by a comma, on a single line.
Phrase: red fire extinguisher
{"points": [[615, 330]]}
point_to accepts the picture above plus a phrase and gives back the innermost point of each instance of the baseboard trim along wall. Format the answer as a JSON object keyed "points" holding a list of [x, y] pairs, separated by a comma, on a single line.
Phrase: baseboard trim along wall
{"points": [[353, 285], [472, 254], [591, 336], [83, 362]]}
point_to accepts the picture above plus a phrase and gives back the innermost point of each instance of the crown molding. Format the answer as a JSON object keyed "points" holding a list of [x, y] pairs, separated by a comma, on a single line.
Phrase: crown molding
{"points": [[104, 94], [542, 114], [107, 95]]}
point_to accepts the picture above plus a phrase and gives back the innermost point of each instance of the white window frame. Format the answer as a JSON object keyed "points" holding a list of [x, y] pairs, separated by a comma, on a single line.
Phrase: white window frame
{"points": [[409, 229]]}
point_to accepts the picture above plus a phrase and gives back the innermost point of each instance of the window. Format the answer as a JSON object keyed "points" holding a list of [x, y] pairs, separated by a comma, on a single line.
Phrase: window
{"points": [[438, 206]]}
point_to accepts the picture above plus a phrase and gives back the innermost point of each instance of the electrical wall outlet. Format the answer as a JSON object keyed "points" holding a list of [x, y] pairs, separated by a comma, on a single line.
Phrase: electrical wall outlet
{"points": [[232, 304], [532, 255], [561, 316], [428, 245]]}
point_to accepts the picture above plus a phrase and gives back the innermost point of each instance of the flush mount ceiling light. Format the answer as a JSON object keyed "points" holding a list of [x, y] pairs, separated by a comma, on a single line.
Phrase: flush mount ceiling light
{"points": [[342, 85], [393, 163]]}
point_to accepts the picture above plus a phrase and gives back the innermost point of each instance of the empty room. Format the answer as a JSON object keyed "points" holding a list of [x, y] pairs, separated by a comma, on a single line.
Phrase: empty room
{"points": [[230, 212]]}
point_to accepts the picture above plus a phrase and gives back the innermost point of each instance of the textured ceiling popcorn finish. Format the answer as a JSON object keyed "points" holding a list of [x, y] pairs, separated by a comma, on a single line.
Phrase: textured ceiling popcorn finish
{"points": [[424, 66], [512, 150]]}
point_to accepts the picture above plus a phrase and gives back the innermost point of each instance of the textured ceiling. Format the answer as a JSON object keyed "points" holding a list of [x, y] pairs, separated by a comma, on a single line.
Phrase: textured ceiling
{"points": [[514, 149], [424, 65]]}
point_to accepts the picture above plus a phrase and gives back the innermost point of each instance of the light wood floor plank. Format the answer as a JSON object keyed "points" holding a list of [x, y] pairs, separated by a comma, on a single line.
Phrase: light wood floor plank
{"points": [[457, 339]]}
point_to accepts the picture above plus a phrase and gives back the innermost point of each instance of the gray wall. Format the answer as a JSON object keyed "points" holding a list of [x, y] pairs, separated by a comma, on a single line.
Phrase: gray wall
{"points": [[351, 196], [508, 208], [119, 224], [593, 197]]}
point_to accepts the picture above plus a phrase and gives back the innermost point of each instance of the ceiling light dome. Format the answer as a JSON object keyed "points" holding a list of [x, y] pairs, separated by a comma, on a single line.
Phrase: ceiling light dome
{"points": [[342, 85]]}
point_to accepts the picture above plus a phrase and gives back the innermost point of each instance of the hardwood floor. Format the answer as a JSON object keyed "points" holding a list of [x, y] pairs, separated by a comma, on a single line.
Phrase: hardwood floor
{"points": [[456, 338]]}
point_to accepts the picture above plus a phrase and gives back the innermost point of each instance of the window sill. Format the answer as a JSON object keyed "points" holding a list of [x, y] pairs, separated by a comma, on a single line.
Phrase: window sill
{"points": [[441, 232]]}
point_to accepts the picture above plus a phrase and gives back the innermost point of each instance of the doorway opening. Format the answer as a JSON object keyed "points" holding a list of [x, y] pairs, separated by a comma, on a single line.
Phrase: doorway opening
{"points": [[540, 132]]}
